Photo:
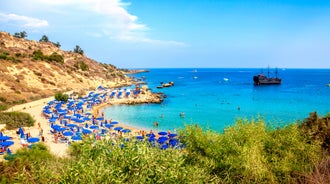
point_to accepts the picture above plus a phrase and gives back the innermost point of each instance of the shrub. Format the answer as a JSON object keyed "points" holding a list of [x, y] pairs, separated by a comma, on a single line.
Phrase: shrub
{"points": [[318, 129], [61, 97], [3, 107], [55, 57], [15, 120], [248, 152], [3, 56], [81, 65], [38, 55]]}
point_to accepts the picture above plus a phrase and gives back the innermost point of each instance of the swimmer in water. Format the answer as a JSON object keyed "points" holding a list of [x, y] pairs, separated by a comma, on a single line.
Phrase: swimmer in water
{"points": [[156, 124]]}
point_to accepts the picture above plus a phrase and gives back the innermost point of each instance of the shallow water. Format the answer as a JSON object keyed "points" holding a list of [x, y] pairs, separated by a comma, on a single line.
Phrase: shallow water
{"points": [[207, 99]]}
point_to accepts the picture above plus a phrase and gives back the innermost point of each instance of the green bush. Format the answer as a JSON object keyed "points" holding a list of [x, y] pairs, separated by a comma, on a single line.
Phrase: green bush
{"points": [[3, 107], [250, 153], [318, 129], [38, 55], [247, 152], [15, 119], [55, 57], [3, 56], [61, 97], [28, 165], [81, 65]]}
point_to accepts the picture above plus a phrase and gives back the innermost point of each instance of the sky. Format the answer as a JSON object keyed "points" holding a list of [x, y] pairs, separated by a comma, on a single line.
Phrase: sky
{"points": [[181, 33]]}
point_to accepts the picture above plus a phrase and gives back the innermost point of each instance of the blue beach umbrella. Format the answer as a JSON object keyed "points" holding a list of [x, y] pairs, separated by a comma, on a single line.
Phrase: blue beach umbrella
{"points": [[118, 128], [162, 139], [173, 142], [172, 135], [126, 131], [108, 125], [61, 129], [52, 120], [7, 143], [95, 127], [58, 128], [151, 139], [68, 133], [150, 135], [100, 118], [164, 147], [76, 138], [87, 119], [4, 138], [162, 133], [88, 113], [78, 115], [139, 137], [114, 122], [47, 111], [86, 131], [55, 126], [21, 132], [71, 125], [74, 119], [67, 116], [33, 139], [80, 120]]}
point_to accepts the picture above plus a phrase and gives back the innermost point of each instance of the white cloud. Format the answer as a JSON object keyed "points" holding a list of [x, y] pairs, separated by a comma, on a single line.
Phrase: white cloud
{"points": [[24, 21], [117, 23]]}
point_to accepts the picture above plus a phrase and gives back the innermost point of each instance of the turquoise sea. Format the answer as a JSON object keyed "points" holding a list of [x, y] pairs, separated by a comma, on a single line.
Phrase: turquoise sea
{"points": [[206, 98]]}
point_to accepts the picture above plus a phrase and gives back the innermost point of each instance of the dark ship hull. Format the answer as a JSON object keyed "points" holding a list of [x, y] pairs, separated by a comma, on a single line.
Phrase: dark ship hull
{"points": [[263, 80]]}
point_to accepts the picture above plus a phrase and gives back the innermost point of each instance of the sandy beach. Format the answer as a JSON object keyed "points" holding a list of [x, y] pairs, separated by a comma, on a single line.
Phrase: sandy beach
{"points": [[35, 109]]}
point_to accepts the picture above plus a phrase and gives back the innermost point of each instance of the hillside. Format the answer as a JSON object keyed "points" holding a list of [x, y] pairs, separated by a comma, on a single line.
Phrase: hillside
{"points": [[31, 70]]}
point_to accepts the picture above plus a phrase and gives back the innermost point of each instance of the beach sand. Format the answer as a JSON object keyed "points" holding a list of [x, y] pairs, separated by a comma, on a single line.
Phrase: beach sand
{"points": [[35, 109]]}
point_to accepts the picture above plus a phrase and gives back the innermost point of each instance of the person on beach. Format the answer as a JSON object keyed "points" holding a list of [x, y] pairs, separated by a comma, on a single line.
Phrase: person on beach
{"points": [[41, 131], [55, 137], [168, 131], [23, 143]]}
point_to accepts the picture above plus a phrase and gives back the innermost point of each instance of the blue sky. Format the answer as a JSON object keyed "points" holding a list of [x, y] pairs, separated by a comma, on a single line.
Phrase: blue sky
{"points": [[181, 33]]}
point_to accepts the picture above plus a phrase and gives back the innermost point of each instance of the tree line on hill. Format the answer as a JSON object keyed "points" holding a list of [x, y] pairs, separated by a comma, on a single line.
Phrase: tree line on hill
{"points": [[45, 38]]}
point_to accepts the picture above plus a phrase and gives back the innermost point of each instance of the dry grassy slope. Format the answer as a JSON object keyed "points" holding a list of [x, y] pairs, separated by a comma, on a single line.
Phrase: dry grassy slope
{"points": [[28, 80]]}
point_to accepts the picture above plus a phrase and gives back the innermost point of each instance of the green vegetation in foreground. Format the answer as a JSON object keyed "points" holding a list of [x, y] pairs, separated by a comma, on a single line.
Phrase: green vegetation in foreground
{"points": [[247, 152], [15, 119]]}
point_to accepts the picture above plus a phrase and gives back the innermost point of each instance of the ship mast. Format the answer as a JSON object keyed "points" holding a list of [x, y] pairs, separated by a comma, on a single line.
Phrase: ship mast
{"points": [[268, 71], [276, 71]]}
